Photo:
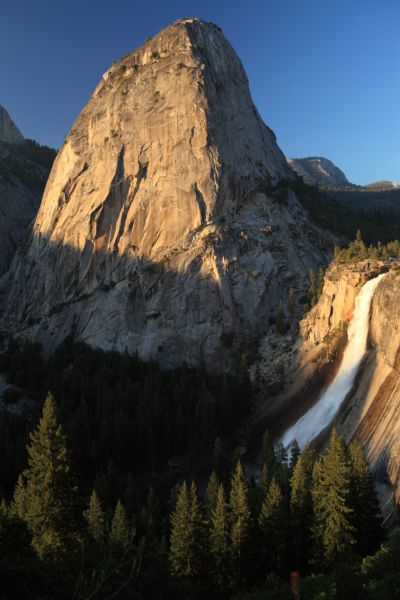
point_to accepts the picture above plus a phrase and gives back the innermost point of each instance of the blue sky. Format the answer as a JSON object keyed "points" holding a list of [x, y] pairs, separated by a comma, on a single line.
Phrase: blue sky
{"points": [[325, 75]]}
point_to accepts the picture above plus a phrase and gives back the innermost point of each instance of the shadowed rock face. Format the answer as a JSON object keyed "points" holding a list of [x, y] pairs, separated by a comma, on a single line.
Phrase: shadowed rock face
{"points": [[9, 132], [22, 180], [159, 228]]}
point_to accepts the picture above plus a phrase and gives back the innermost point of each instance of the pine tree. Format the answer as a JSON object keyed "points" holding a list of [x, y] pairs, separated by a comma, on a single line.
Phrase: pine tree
{"points": [[211, 493], [294, 455], [280, 318], [186, 534], [267, 452], [95, 519], [218, 458], [19, 503], [50, 492], [152, 511], [281, 472], [272, 522], [301, 509], [320, 283], [220, 539], [197, 528], [265, 479], [120, 535], [240, 519], [366, 517], [332, 530]]}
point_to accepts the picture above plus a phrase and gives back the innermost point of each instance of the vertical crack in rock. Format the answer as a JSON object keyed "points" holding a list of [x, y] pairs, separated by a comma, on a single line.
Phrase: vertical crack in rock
{"points": [[201, 204], [141, 174]]}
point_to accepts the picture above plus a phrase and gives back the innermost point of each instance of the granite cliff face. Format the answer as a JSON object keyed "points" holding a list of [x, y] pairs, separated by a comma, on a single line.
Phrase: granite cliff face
{"points": [[318, 170], [164, 227]]}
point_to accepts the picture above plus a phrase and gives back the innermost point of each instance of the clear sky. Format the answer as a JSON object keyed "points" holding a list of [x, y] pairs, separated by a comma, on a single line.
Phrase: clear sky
{"points": [[324, 74]]}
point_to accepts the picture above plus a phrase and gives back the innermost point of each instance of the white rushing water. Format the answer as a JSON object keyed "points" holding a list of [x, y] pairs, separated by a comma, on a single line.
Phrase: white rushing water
{"points": [[321, 414]]}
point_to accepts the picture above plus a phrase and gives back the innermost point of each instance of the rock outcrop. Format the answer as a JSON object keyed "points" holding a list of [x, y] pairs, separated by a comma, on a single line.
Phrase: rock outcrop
{"points": [[9, 132], [316, 170], [164, 228]]}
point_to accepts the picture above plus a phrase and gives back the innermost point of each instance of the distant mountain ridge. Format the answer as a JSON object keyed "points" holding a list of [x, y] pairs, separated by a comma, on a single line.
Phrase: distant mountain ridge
{"points": [[317, 170], [24, 168], [383, 185], [9, 132]]}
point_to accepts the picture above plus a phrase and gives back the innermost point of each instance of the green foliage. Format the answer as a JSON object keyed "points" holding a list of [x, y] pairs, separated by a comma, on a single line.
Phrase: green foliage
{"points": [[50, 495], [186, 549], [120, 535], [218, 549], [220, 546], [382, 571], [366, 517], [29, 162], [301, 509], [95, 519], [212, 493], [332, 530], [316, 285], [357, 251], [273, 521], [120, 415], [240, 519]]}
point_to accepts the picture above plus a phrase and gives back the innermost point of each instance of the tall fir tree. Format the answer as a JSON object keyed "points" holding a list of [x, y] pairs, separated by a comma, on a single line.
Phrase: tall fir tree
{"points": [[211, 493], [273, 522], [186, 539], [301, 509], [19, 504], [240, 520], [95, 519], [263, 486], [220, 540], [313, 288], [281, 472], [50, 490], [294, 456], [366, 516], [120, 534], [333, 532], [267, 452]]}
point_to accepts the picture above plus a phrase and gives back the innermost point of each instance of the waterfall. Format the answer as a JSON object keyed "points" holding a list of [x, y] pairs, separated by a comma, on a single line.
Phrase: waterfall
{"points": [[321, 414]]}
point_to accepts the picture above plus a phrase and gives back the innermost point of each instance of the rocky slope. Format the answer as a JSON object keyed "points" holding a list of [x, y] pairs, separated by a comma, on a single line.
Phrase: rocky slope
{"points": [[9, 132], [164, 228], [318, 170]]}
